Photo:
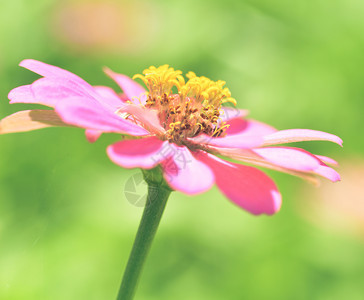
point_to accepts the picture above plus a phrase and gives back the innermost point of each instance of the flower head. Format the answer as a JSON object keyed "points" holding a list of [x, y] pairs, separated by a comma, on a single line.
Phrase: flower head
{"points": [[179, 126], [194, 109]]}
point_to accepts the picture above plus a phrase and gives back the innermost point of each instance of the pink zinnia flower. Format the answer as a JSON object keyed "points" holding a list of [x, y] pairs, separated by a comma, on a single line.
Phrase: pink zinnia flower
{"points": [[179, 126]]}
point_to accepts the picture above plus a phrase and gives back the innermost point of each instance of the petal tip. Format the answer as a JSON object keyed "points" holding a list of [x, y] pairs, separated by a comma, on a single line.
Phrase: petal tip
{"points": [[25, 62]]}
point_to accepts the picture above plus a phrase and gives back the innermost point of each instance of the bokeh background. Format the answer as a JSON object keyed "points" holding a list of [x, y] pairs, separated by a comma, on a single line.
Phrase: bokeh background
{"points": [[66, 228]]}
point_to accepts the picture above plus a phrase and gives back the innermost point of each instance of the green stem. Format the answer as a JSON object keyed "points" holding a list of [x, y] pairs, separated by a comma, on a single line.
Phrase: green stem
{"points": [[153, 210]]}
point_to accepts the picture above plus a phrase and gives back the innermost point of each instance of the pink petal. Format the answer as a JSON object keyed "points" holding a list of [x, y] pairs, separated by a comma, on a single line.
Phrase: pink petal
{"points": [[327, 160], [229, 141], [143, 153], [185, 173], [290, 158], [22, 94], [90, 114], [248, 127], [249, 156], [48, 91], [109, 96], [299, 135], [147, 117], [56, 85], [327, 172], [240, 134], [232, 113], [246, 186], [133, 90], [92, 135], [50, 71]]}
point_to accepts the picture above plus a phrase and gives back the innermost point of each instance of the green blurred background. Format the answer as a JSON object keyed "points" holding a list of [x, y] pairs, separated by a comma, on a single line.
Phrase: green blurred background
{"points": [[66, 228]]}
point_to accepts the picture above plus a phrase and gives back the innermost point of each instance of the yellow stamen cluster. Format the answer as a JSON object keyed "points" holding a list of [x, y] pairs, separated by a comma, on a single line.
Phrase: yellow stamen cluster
{"points": [[193, 109], [161, 80], [207, 91]]}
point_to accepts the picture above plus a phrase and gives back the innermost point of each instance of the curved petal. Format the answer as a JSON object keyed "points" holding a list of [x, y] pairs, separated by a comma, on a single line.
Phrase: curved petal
{"points": [[22, 94], [50, 71], [28, 120], [241, 133], [57, 84], [48, 91], [327, 160], [248, 127], [185, 173], [133, 90], [229, 141], [92, 135], [90, 114], [246, 186], [327, 172], [290, 158], [143, 153], [280, 164], [299, 135]]}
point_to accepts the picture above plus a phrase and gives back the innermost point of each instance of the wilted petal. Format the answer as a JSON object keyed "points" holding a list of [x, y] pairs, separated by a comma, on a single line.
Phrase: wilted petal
{"points": [[90, 114], [143, 153], [133, 90], [28, 120], [185, 173], [246, 186], [299, 135]]}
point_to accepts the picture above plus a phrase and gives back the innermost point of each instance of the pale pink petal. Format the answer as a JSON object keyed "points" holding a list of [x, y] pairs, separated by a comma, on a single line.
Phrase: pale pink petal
{"points": [[248, 127], [21, 94], [185, 173], [92, 135], [290, 158], [143, 153], [249, 156], [133, 90], [28, 120], [109, 96], [241, 133], [246, 186], [327, 160], [147, 117], [48, 91], [56, 85], [50, 71], [299, 135], [229, 141], [327, 172], [90, 114], [228, 113]]}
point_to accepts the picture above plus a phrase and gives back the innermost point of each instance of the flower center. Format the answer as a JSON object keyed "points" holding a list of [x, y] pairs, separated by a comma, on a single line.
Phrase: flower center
{"points": [[185, 109]]}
